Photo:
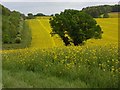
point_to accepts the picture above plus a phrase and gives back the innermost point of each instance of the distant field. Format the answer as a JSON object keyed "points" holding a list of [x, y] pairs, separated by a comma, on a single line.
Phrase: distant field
{"points": [[41, 37], [110, 31], [114, 15], [41, 33]]}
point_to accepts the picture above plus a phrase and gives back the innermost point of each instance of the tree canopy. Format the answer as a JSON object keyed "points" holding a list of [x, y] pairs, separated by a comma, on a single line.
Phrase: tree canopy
{"points": [[105, 15], [40, 14], [11, 23], [78, 25], [30, 16]]}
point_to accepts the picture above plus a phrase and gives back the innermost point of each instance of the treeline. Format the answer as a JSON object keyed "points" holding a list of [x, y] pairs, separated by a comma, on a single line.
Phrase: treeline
{"points": [[101, 11], [94, 11], [12, 25], [32, 16]]}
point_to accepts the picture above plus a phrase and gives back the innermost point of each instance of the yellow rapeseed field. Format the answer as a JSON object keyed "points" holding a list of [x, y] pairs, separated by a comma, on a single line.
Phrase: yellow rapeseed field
{"points": [[40, 35], [95, 63], [110, 32]]}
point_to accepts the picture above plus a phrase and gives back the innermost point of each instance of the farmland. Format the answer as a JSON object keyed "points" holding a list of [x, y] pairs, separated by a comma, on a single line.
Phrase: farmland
{"points": [[42, 31], [48, 63], [41, 37], [114, 15]]}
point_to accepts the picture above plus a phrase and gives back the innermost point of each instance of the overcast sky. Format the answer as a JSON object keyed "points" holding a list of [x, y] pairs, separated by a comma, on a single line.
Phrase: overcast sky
{"points": [[52, 6]]}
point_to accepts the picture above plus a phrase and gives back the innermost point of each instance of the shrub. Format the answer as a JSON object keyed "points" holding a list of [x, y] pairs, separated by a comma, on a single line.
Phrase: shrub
{"points": [[106, 15], [18, 35], [6, 38], [17, 40]]}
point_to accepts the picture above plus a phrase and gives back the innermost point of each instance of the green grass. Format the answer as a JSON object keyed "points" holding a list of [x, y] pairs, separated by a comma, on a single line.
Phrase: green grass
{"points": [[0, 31], [38, 80]]}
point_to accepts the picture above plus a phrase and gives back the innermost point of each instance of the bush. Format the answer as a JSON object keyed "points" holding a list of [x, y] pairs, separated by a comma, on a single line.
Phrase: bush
{"points": [[18, 35], [6, 38], [106, 15], [17, 40], [30, 16], [19, 32]]}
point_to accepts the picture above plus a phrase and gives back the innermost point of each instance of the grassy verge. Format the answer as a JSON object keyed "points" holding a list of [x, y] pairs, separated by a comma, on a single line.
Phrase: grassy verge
{"points": [[26, 39], [28, 79], [76, 66]]}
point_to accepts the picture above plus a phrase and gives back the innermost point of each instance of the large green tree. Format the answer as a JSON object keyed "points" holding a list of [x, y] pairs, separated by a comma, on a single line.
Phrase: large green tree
{"points": [[78, 25]]}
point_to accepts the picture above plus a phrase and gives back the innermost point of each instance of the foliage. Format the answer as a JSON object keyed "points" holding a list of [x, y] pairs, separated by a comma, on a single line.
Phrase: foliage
{"points": [[105, 15], [116, 8], [40, 14], [11, 24], [6, 38], [78, 25], [96, 11], [30, 16], [18, 40], [51, 15], [5, 11], [24, 34]]}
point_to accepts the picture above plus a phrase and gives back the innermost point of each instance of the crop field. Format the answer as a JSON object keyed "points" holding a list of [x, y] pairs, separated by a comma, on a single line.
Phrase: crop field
{"points": [[110, 31], [48, 63], [41, 37], [41, 31]]}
